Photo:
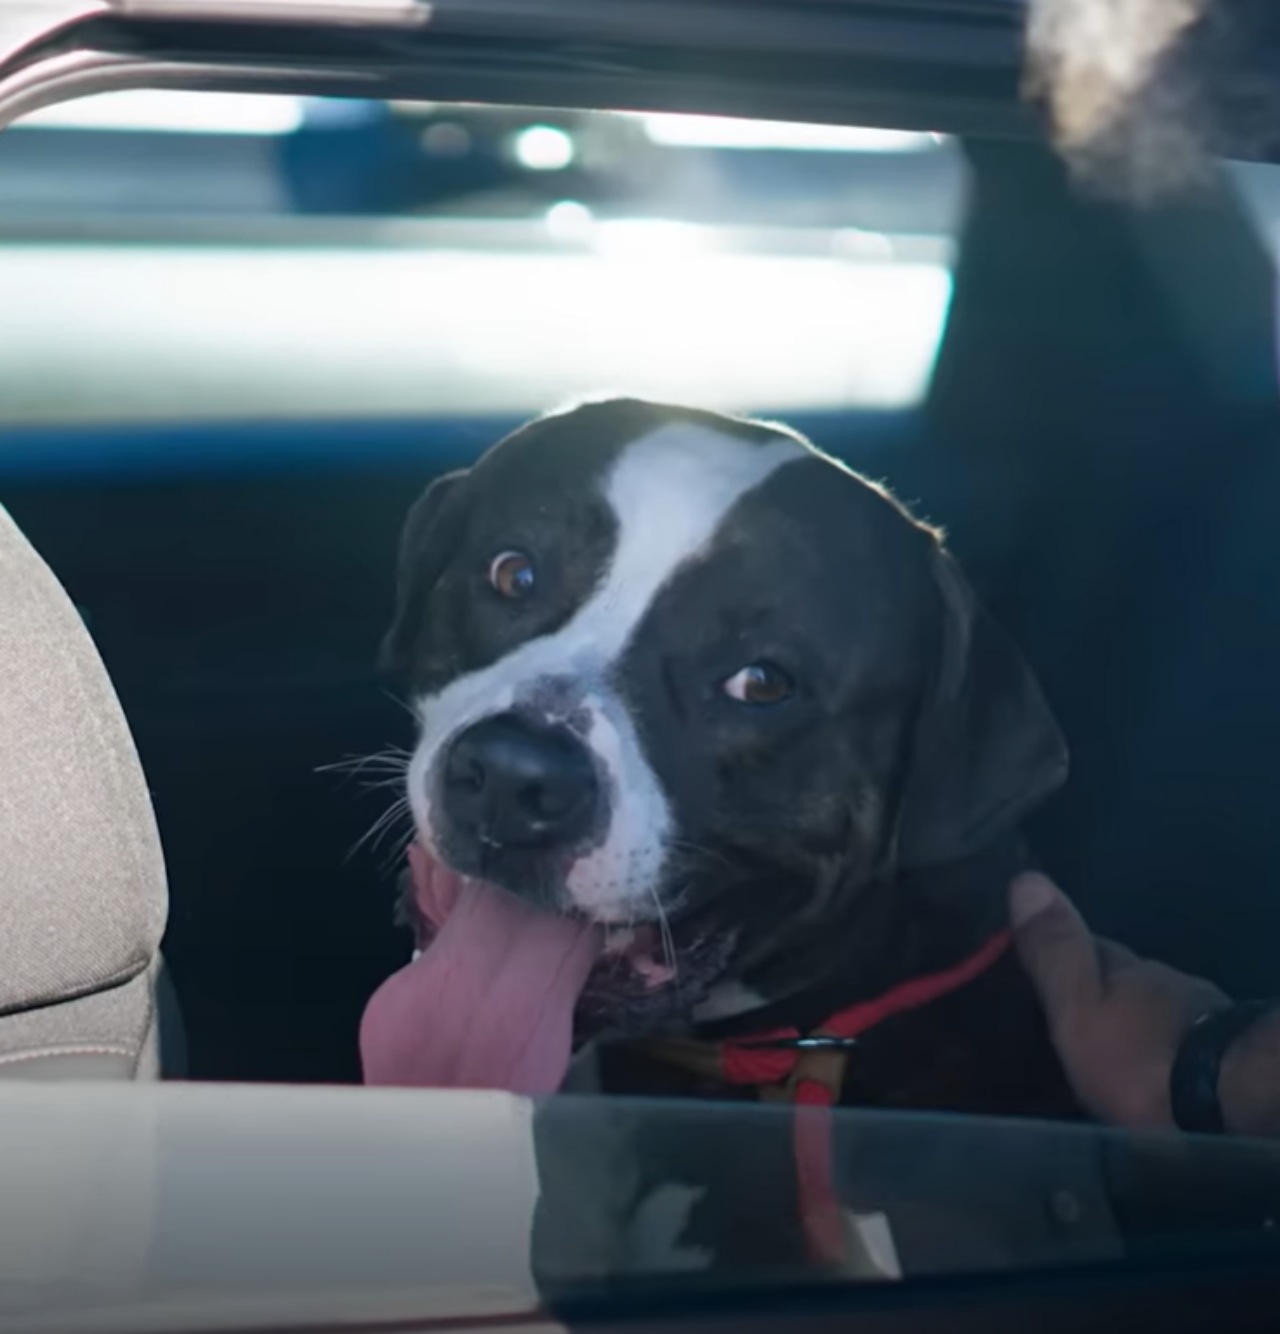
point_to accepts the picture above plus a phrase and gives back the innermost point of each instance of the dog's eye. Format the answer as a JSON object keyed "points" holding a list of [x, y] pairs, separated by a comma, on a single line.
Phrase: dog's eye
{"points": [[760, 683], [511, 574]]}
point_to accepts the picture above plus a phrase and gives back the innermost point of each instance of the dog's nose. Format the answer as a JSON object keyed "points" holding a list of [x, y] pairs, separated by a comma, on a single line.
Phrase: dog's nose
{"points": [[514, 784]]}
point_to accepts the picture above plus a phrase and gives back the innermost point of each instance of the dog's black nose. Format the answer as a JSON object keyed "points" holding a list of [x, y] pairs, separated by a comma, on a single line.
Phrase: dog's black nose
{"points": [[513, 784]]}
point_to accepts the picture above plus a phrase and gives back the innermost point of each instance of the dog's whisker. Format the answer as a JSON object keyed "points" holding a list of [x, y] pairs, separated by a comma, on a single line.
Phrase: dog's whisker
{"points": [[385, 751], [399, 849], [379, 784], [385, 763], [396, 853], [666, 937], [384, 767], [380, 826], [380, 770], [403, 704], [684, 846]]}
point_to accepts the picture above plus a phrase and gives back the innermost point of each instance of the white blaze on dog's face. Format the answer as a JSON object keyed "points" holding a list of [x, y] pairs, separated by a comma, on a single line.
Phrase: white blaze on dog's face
{"points": [[667, 493], [674, 667]]}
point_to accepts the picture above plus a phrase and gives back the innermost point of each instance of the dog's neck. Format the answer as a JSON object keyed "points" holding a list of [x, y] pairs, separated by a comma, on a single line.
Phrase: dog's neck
{"points": [[915, 923]]}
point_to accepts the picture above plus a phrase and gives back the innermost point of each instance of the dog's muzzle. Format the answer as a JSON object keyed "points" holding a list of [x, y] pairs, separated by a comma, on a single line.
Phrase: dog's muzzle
{"points": [[511, 783]]}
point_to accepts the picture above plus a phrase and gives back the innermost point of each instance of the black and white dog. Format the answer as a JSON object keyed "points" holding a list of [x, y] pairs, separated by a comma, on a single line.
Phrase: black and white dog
{"points": [[684, 676]]}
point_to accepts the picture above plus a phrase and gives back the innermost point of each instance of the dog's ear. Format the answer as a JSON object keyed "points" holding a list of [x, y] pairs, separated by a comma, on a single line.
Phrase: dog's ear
{"points": [[430, 533], [987, 749]]}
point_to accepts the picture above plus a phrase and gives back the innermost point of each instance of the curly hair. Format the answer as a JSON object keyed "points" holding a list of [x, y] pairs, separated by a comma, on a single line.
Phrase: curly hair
{"points": [[1142, 94]]}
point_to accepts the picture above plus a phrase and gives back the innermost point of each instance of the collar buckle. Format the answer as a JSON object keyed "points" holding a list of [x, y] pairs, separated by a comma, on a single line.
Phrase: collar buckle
{"points": [[814, 1042]]}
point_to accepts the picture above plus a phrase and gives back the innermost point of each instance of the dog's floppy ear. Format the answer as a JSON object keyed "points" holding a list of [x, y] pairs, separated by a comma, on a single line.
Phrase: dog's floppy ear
{"points": [[430, 533], [987, 749]]}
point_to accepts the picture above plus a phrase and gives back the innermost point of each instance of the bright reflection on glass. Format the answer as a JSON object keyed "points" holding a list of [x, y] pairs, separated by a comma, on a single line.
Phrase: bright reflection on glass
{"points": [[543, 148], [175, 113], [226, 332], [858, 244], [724, 132], [569, 220], [652, 237]]}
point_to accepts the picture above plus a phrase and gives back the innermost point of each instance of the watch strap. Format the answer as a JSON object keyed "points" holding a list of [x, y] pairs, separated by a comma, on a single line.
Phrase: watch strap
{"points": [[1197, 1067]]}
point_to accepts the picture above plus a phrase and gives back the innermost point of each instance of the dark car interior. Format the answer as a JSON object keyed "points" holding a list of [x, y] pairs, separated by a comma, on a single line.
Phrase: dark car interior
{"points": [[1099, 439]]}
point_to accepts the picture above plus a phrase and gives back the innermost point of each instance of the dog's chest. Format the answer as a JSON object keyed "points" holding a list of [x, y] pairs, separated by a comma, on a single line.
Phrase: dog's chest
{"points": [[984, 1050]]}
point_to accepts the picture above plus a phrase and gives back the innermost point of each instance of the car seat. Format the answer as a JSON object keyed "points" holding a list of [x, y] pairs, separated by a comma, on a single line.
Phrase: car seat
{"points": [[83, 898]]}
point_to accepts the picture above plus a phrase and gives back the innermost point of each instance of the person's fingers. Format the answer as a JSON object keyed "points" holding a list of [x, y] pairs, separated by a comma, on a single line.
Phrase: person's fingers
{"points": [[1056, 946]]}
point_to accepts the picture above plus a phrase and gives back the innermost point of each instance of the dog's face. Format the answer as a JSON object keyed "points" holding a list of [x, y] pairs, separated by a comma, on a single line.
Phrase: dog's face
{"points": [[682, 674]]}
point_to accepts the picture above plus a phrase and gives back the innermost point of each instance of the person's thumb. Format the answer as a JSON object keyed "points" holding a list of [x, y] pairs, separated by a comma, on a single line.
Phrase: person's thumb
{"points": [[1056, 946]]}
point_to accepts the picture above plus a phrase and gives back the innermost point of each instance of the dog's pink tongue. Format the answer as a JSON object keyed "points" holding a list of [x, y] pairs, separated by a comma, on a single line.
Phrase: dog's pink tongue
{"points": [[489, 1003]]}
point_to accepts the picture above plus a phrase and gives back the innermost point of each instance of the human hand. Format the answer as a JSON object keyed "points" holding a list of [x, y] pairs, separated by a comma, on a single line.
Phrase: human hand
{"points": [[1116, 1020]]}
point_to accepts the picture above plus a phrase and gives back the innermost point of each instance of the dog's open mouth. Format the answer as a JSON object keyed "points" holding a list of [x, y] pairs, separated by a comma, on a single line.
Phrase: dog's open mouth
{"points": [[644, 951], [640, 956], [497, 989]]}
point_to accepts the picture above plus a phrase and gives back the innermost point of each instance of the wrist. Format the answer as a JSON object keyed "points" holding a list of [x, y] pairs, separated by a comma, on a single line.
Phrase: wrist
{"points": [[1249, 1082], [1196, 1080]]}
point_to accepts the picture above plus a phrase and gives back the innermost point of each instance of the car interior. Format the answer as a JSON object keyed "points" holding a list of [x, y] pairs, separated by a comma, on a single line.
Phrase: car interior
{"points": [[1094, 423], [245, 327]]}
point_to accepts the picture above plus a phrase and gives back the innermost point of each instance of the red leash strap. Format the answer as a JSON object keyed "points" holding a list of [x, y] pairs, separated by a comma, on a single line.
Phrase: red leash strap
{"points": [[859, 1019], [753, 1061], [813, 1145]]}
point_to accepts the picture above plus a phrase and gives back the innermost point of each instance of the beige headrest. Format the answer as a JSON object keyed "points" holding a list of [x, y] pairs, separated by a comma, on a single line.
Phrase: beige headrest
{"points": [[82, 886]]}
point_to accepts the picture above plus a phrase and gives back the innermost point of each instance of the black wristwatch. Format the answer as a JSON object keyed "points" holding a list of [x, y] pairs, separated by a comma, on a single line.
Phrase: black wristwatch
{"points": [[1197, 1068]]}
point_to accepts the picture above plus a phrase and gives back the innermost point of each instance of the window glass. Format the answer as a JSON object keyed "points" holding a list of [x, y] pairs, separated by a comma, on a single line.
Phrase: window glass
{"points": [[187, 257]]}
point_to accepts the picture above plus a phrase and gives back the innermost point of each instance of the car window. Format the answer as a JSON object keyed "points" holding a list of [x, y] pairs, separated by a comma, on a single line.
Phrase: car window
{"points": [[187, 257], [240, 336]]}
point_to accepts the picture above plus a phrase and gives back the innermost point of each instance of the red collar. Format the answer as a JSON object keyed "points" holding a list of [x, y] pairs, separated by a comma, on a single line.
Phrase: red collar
{"points": [[789, 1066], [772, 1056]]}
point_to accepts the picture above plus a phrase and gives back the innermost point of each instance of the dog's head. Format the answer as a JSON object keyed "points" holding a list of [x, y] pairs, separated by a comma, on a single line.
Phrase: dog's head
{"points": [[682, 672]]}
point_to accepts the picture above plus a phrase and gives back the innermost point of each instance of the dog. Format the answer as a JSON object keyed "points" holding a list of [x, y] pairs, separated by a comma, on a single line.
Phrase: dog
{"points": [[686, 679]]}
